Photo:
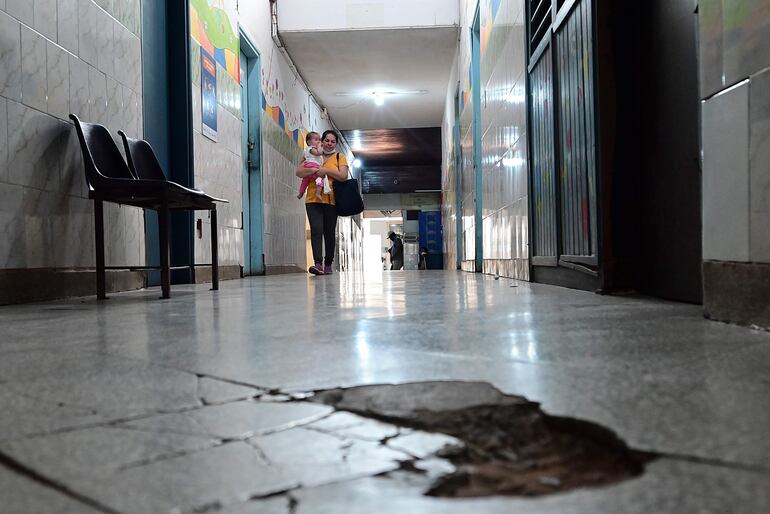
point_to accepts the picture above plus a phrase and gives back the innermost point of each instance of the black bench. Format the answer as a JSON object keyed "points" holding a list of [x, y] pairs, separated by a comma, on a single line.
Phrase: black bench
{"points": [[140, 183]]}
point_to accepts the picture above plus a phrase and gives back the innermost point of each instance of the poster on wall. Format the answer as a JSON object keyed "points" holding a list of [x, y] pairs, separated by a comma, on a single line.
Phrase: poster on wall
{"points": [[208, 96], [213, 24]]}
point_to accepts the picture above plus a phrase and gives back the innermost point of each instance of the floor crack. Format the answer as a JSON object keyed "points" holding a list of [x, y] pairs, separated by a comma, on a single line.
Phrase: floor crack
{"points": [[753, 468], [27, 472]]}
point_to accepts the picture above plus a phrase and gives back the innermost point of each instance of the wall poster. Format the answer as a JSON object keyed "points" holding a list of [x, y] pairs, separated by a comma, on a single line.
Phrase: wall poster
{"points": [[208, 96], [214, 25]]}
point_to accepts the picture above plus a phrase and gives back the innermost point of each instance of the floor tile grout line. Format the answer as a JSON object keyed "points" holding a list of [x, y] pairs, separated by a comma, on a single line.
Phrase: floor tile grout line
{"points": [[27, 472]]}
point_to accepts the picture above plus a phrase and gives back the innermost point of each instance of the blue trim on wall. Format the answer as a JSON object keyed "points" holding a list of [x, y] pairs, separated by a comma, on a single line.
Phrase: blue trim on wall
{"points": [[182, 170], [168, 121], [155, 107]]}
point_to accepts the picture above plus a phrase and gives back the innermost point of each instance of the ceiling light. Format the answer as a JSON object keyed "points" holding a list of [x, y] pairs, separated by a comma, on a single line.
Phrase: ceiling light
{"points": [[379, 100], [382, 92], [357, 163]]}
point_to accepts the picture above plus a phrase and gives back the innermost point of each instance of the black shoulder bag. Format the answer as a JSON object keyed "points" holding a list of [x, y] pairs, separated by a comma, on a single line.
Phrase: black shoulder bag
{"points": [[347, 195]]}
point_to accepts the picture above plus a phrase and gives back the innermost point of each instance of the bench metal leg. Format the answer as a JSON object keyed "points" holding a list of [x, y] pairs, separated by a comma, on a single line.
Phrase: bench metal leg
{"points": [[214, 251], [165, 272], [101, 273]]}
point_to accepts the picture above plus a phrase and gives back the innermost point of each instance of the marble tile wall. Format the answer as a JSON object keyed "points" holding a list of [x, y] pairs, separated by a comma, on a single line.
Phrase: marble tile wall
{"points": [[504, 148], [726, 176], [284, 214], [734, 41], [735, 87], [504, 144], [449, 194], [57, 57], [218, 167]]}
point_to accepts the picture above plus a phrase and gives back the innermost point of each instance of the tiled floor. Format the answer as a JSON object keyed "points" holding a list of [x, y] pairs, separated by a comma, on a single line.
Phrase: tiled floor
{"points": [[141, 405]]}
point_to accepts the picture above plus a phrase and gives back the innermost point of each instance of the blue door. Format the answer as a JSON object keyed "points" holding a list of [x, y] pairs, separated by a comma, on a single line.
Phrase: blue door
{"points": [[251, 100]]}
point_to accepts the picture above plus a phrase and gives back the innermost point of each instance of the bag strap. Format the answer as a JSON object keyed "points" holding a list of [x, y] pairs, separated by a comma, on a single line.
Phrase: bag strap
{"points": [[350, 175]]}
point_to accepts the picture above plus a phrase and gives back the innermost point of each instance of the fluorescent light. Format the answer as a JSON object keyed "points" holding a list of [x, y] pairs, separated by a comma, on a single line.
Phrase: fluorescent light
{"points": [[382, 93], [509, 162]]}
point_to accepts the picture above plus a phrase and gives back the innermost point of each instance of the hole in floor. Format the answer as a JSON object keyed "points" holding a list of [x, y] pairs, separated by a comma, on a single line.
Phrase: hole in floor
{"points": [[510, 446]]}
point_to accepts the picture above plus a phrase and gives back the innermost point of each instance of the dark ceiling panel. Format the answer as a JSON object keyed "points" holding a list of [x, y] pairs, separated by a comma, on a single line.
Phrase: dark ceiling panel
{"points": [[398, 160], [400, 179]]}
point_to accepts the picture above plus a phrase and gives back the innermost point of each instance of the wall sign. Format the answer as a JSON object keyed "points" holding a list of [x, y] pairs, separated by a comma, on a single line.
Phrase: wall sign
{"points": [[208, 96]]}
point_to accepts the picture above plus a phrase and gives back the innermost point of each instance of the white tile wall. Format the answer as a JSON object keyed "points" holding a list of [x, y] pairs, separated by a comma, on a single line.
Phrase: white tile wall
{"points": [[45, 18], [58, 69], [67, 23], [726, 175], [22, 10], [503, 126], [759, 162], [218, 171], [10, 57], [88, 43], [3, 139], [57, 57], [34, 89], [745, 38]]}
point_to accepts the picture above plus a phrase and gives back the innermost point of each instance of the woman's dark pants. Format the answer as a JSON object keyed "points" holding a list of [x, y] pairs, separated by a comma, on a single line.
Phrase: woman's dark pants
{"points": [[323, 226]]}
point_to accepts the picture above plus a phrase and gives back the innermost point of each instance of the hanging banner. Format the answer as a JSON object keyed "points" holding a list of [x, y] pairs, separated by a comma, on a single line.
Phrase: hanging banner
{"points": [[208, 96]]}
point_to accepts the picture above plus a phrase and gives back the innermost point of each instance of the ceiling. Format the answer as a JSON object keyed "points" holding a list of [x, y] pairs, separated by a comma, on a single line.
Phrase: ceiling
{"points": [[357, 62], [397, 160]]}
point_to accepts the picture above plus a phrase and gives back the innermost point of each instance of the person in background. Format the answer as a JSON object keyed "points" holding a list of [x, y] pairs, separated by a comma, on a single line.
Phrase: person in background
{"points": [[423, 259], [396, 252]]}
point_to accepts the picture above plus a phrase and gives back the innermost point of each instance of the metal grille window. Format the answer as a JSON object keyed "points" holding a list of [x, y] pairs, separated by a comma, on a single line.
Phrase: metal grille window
{"points": [[539, 15]]}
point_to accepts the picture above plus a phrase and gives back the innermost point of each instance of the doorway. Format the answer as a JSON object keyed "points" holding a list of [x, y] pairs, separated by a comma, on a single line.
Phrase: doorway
{"points": [[251, 154]]}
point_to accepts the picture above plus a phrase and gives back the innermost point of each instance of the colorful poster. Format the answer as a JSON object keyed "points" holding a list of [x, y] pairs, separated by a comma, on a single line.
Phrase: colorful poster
{"points": [[213, 24], [208, 96]]}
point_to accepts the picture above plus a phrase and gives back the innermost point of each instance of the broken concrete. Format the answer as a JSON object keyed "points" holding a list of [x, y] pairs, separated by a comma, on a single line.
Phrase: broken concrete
{"points": [[510, 446]]}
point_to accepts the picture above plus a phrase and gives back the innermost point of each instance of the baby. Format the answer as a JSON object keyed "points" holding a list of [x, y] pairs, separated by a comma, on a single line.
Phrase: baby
{"points": [[314, 158]]}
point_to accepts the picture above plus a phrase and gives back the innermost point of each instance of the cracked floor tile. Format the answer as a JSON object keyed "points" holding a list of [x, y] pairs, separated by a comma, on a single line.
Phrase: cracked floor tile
{"points": [[313, 458], [423, 444], [278, 505], [221, 475], [117, 389], [24, 415], [235, 420], [211, 390], [20, 495], [98, 453], [345, 424]]}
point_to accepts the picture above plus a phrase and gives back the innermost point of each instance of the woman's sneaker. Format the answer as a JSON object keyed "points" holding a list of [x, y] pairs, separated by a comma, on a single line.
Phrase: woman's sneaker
{"points": [[328, 270], [316, 269]]}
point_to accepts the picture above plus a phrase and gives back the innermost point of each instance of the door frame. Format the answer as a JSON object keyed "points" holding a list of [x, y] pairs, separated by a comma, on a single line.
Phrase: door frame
{"points": [[253, 215], [168, 125]]}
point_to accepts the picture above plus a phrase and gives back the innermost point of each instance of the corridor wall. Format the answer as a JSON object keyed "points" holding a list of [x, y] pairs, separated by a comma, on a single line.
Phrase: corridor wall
{"points": [[735, 138], [504, 195], [57, 57], [288, 112]]}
